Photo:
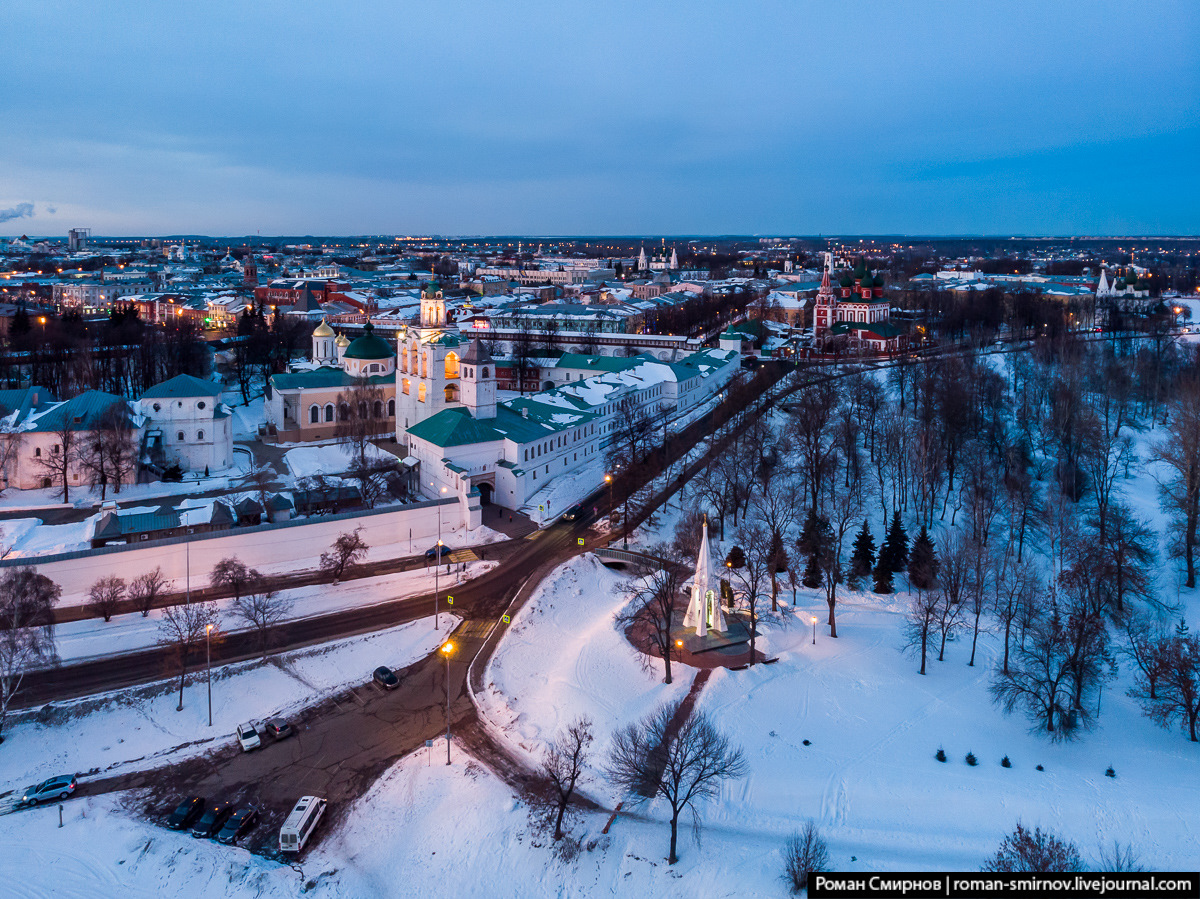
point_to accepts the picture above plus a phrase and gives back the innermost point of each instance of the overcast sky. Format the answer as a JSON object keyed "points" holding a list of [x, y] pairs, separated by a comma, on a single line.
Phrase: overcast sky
{"points": [[514, 117]]}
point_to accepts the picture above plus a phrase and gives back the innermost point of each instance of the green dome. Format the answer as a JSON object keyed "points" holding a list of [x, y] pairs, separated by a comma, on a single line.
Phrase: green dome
{"points": [[867, 281], [846, 281], [1120, 285], [368, 346]]}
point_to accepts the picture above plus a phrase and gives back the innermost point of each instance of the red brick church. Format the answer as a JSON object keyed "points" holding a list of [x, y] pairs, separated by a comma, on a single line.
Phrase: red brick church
{"points": [[855, 314]]}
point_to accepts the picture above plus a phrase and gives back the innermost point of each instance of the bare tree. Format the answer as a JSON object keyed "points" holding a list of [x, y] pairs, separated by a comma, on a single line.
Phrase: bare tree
{"points": [[1038, 680], [921, 621], [1180, 452], [348, 549], [1173, 692], [953, 587], [754, 577], [234, 575], [63, 455], [684, 768], [259, 480], [105, 596], [145, 589], [804, 855], [27, 601], [261, 608], [182, 627], [656, 602], [362, 417], [108, 452], [1015, 586], [564, 764], [11, 443]]}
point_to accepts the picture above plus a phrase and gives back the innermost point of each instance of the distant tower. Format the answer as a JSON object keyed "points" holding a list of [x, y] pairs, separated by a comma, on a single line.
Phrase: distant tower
{"points": [[433, 307], [77, 238], [642, 260], [477, 379], [825, 310], [324, 348], [674, 259], [249, 270]]}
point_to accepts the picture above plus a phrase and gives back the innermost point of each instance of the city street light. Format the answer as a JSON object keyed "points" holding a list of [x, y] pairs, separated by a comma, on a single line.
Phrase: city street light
{"points": [[208, 665], [814, 621], [447, 649]]}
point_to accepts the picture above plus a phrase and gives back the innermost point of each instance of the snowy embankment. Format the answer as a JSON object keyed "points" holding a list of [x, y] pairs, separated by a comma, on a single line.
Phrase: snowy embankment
{"points": [[93, 637], [140, 728], [564, 657]]}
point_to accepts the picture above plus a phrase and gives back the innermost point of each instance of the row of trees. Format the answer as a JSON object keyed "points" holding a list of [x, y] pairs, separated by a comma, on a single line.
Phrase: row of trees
{"points": [[121, 354]]}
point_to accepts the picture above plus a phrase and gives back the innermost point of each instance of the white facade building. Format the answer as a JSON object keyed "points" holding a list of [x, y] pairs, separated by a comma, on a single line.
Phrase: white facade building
{"points": [[188, 425]]}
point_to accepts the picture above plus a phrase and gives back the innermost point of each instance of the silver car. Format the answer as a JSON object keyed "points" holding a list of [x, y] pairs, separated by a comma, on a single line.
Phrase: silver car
{"points": [[55, 788]]}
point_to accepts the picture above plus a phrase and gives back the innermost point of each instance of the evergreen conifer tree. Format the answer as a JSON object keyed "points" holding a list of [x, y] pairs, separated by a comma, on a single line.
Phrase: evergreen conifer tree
{"points": [[922, 562], [812, 573], [20, 325], [807, 542], [1181, 630], [883, 579], [863, 557], [895, 545]]}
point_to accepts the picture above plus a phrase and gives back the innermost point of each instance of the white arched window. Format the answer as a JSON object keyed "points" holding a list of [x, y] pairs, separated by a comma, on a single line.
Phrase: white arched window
{"points": [[314, 414], [391, 408], [199, 435]]}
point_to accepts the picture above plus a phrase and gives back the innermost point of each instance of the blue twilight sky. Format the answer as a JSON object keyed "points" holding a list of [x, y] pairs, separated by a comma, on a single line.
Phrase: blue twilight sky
{"points": [[510, 117]]}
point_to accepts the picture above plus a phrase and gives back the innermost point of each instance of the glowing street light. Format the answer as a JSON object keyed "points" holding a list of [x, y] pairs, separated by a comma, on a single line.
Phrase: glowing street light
{"points": [[208, 664], [814, 623], [447, 650]]}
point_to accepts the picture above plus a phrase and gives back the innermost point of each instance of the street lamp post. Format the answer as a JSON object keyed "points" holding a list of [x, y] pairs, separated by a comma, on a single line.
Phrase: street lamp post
{"points": [[437, 564], [447, 649], [608, 480], [208, 665], [814, 622]]}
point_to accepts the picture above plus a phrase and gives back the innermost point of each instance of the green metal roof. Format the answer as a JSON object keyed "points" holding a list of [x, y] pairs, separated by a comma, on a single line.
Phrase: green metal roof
{"points": [[600, 363], [86, 412], [368, 346], [453, 427], [183, 386], [883, 329]]}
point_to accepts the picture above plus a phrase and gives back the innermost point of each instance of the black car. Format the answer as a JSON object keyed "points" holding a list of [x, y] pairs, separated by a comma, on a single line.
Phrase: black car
{"points": [[574, 513], [212, 819], [238, 825], [433, 553], [279, 729], [187, 812], [386, 678]]}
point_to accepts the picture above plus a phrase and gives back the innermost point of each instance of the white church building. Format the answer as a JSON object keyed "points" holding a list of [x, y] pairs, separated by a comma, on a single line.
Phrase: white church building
{"points": [[463, 442]]}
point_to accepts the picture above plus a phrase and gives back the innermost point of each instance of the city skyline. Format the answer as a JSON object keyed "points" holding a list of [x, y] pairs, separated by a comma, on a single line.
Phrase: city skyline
{"points": [[771, 119]]}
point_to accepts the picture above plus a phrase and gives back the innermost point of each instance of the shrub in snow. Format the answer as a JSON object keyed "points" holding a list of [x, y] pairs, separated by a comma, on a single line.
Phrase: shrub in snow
{"points": [[941, 754], [807, 742], [1035, 851], [1110, 772], [1040, 768], [1119, 859], [804, 854], [971, 760], [1005, 763]]}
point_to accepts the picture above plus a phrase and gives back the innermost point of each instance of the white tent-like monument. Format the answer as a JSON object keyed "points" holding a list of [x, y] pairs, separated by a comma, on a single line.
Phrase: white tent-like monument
{"points": [[704, 610]]}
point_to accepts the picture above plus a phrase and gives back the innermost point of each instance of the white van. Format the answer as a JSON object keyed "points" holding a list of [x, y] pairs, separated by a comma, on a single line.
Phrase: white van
{"points": [[301, 823]]}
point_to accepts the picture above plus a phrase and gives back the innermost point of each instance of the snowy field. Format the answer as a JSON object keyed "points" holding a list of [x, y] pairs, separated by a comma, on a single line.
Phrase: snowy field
{"points": [[563, 657], [869, 777], [139, 727], [331, 459], [93, 637]]}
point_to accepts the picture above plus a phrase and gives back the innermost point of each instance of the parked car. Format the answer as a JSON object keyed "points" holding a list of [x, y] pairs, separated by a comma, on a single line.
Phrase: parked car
{"points": [[433, 552], [247, 735], [238, 825], [278, 729], [574, 513], [59, 787], [213, 819], [386, 678], [186, 813]]}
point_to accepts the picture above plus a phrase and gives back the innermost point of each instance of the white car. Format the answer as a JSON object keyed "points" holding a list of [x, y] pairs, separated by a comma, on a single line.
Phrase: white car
{"points": [[247, 735]]}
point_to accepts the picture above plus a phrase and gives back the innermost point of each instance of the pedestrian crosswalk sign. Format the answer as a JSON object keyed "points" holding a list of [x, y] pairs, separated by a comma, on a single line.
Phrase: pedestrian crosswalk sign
{"points": [[579, 540], [449, 600], [506, 619]]}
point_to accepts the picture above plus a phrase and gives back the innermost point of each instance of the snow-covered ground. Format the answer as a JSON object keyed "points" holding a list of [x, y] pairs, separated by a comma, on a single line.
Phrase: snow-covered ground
{"points": [[330, 459], [869, 777], [93, 637], [139, 727], [563, 657]]}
